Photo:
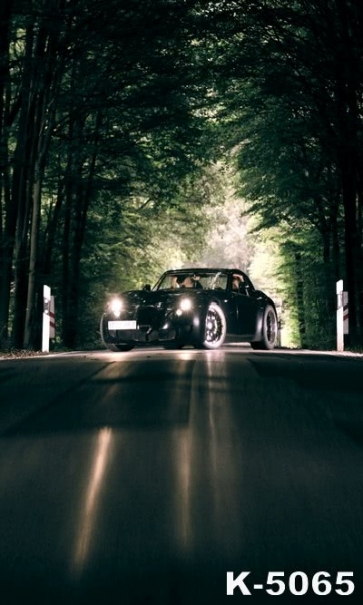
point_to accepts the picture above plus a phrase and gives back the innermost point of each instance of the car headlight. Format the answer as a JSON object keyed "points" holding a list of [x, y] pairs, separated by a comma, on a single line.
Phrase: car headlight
{"points": [[185, 305], [115, 306]]}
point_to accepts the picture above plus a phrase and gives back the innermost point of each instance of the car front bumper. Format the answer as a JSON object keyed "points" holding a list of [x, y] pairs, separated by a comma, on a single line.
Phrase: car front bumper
{"points": [[169, 332]]}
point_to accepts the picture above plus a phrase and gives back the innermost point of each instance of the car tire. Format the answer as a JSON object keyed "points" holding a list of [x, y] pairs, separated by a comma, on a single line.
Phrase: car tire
{"points": [[215, 328], [269, 331], [111, 346]]}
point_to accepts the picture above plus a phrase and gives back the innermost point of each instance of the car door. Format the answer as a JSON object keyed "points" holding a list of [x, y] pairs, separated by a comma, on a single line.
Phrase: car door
{"points": [[246, 310]]}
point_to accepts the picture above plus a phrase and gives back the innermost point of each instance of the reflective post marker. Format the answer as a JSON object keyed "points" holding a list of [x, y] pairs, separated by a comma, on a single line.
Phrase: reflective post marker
{"points": [[345, 313], [51, 318], [46, 319], [340, 316]]}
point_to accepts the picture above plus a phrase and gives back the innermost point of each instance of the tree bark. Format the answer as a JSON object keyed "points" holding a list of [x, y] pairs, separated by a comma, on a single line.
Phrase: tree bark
{"points": [[7, 224]]}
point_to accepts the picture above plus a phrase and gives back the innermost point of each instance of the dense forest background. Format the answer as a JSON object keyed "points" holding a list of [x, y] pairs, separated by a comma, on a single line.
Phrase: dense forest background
{"points": [[136, 135]]}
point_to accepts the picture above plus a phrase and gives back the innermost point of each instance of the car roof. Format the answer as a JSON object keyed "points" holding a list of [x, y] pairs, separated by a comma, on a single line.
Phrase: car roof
{"points": [[203, 270]]}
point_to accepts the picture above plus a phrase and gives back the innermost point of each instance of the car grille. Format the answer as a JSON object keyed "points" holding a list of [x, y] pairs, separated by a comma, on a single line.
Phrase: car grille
{"points": [[148, 318]]}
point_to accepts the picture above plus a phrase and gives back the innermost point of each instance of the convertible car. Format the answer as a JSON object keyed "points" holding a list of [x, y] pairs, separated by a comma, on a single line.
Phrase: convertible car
{"points": [[198, 307]]}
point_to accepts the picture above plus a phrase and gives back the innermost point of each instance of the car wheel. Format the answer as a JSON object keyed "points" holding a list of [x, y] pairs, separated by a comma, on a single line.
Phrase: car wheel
{"points": [[215, 328], [269, 331], [115, 348]]}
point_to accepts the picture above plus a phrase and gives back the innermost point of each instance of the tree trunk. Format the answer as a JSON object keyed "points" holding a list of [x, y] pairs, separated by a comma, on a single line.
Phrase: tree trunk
{"points": [[21, 190], [299, 274], [30, 315], [7, 227], [79, 210], [44, 126]]}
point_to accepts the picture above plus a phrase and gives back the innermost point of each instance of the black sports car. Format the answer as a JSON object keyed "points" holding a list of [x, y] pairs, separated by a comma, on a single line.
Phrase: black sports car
{"points": [[199, 307]]}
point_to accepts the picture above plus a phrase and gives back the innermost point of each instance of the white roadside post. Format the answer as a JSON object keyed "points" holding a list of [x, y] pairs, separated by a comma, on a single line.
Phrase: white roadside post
{"points": [[46, 319], [340, 316]]}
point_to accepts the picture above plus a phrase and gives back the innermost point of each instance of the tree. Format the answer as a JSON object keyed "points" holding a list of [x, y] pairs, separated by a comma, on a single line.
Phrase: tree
{"points": [[98, 107], [290, 89]]}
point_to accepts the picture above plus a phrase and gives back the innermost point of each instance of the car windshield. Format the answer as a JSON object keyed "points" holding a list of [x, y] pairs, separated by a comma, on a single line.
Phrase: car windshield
{"points": [[206, 280]]}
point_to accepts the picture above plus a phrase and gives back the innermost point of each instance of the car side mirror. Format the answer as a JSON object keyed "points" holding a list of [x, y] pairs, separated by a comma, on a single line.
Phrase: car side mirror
{"points": [[147, 287]]}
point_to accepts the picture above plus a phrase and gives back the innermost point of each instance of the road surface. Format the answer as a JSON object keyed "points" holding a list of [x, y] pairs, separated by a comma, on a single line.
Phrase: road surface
{"points": [[142, 478]]}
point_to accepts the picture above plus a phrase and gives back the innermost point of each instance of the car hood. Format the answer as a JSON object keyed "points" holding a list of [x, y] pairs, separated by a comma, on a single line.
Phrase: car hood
{"points": [[154, 297]]}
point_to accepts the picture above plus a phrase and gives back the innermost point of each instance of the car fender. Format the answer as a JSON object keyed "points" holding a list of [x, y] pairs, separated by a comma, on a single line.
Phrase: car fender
{"points": [[200, 315]]}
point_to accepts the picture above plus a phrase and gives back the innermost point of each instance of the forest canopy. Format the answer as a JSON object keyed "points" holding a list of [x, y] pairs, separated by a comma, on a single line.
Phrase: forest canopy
{"points": [[129, 128]]}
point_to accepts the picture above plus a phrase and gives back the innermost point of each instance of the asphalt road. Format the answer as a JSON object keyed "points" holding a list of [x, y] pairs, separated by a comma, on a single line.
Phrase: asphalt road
{"points": [[142, 478]]}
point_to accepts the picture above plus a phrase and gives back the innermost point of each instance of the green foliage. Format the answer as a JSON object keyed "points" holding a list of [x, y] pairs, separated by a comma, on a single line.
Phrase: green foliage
{"points": [[105, 121], [133, 241], [309, 295], [289, 80], [122, 125]]}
